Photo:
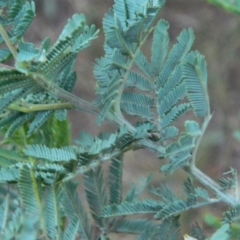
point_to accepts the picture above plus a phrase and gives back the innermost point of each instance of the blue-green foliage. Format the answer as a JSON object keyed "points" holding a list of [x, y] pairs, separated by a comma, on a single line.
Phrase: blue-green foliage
{"points": [[158, 88], [52, 63], [166, 86]]}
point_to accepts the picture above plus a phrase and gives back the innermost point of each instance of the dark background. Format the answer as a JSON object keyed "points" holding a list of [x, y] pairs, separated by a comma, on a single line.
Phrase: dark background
{"points": [[217, 37]]}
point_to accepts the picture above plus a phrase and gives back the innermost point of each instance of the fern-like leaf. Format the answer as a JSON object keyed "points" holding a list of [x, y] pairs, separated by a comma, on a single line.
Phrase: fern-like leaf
{"points": [[227, 183], [18, 123], [127, 208], [23, 19], [9, 175], [136, 80], [51, 154], [71, 231], [5, 54], [10, 98], [168, 229], [96, 194], [176, 55], [165, 193], [195, 78], [75, 212], [115, 180], [133, 226], [172, 209], [51, 212], [159, 46], [39, 120], [30, 191], [8, 157], [232, 215], [135, 191], [197, 232]]}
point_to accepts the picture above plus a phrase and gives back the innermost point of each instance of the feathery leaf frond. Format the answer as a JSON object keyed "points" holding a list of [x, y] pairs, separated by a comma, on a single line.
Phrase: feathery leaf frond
{"points": [[75, 212], [195, 78], [30, 191], [115, 180], [127, 208], [51, 212], [50, 154], [96, 194]]}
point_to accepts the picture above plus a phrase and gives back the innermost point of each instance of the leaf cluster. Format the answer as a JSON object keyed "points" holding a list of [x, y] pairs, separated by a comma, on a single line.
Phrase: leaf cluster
{"points": [[157, 88], [23, 101]]}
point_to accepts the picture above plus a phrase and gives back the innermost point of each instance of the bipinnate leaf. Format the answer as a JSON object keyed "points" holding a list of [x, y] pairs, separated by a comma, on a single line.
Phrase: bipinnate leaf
{"points": [[115, 180], [30, 191], [96, 194], [50, 154], [51, 212], [195, 77], [79, 220], [127, 208]]}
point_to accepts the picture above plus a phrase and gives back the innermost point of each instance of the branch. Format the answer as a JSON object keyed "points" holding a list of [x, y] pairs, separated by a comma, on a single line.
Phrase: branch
{"points": [[28, 108], [210, 184], [79, 103]]}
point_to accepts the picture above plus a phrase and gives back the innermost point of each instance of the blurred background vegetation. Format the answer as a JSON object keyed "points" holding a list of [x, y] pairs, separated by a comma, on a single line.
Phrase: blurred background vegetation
{"points": [[217, 37]]}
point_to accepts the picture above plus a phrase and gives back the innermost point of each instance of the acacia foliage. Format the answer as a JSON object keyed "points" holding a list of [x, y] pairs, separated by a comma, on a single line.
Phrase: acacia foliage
{"points": [[157, 89]]}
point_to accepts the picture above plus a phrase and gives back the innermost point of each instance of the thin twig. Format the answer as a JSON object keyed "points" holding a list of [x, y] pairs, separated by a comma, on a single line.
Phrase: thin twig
{"points": [[8, 41]]}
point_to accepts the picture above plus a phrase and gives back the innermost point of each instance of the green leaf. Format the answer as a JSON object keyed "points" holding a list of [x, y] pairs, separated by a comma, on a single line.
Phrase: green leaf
{"points": [[85, 39], [23, 19], [30, 191], [222, 233], [76, 213], [50, 154], [133, 226], [29, 228], [176, 55], [5, 54], [8, 175], [192, 128], [195, 78], [75, 24], [9, 98], [143, 64], [135, 191], [159, 46], [197, 232], [232, 215], [27, 52], [18, 123], [138, 81], [202, 193], [10, 156], [172, 209], [168, 229], [51, 212], [96, 193], [137, 109], [40, 118], [72, 230], [165, 193], [127, 208], [115, 180], [174, 114], [227, 5]]}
